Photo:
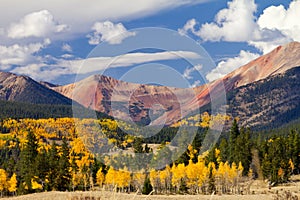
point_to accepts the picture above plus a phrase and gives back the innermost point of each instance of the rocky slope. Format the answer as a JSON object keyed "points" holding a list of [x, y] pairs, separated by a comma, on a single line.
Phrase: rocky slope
{"points": [[25, 89], [277, 61], [267, 103]]}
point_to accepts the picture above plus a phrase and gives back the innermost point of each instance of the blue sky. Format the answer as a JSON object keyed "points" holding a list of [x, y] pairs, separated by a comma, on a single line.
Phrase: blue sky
{"points": [[64, 42]]}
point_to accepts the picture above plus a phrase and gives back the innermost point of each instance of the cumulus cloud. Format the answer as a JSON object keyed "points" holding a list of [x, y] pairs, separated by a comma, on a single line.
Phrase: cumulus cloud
{"points": [[238, 23], [16, 54], [287, 20], [108, 32], [235, 23], [36, 24], [188, 71], [226, 66]]}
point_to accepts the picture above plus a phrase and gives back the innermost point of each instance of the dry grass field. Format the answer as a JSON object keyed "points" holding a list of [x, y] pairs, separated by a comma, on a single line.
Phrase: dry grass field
{"points": [[259, 191]]}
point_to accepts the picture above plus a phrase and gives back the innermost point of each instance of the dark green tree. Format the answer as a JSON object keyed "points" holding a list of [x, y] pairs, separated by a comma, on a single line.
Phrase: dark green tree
{"points": [[64, 175], [53, 167], [147, 188], [234, 133], [26, 165]]}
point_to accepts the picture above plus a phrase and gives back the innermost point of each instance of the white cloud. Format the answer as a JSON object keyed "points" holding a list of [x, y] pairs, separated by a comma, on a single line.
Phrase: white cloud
{"points": [[284, 29], [20, 55], [188, 71], [108, 32], [189, 26], [238, 16], [94, 64], [81, 15], [287, 20], [237, 23], [66, 47], [40, 70], [226, 66], [36, 24]]}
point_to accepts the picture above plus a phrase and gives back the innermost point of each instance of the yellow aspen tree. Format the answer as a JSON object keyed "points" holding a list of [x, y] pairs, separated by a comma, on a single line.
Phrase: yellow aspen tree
{"points": [[192, 176], [165, 177], [221, 178], [138, 180], [35, 185], [240, 169], [202, 175], [122, 179], [218, 155], [233, 176], [12, 183], [110, 178], [205, 120], [191, 151], [100, 177], [154, 179], [3, 180], [178, 175]]}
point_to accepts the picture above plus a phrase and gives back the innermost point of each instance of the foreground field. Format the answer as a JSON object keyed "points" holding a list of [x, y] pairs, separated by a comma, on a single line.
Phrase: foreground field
{"points": [[119, 196], [259, 190]]}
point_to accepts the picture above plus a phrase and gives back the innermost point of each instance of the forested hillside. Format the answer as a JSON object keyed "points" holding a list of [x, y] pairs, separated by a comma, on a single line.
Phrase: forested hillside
{"points": [[49, 154]]}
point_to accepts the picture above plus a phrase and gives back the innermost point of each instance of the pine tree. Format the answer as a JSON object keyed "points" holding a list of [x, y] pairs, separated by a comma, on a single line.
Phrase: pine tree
{"points": [[42, 164], [64, 174], [138, 145], [147, 188], [224, 150], [234, 133], [53, 167], [27, 166]]}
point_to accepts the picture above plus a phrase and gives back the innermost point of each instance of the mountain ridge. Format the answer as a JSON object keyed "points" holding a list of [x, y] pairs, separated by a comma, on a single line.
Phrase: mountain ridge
{"points": [[22, 88]]}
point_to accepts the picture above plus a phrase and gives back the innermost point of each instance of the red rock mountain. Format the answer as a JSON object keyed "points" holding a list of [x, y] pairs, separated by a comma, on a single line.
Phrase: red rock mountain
{"points": [[140, 102]]}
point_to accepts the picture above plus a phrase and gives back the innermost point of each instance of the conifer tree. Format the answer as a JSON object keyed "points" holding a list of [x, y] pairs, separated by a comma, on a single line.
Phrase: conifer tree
{"points": [[63, 171], [147, 188], [27, 165], [234, 133]]}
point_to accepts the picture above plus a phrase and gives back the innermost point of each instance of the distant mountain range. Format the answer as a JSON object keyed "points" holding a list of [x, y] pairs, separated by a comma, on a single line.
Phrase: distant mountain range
{"points": [[262, 93]]}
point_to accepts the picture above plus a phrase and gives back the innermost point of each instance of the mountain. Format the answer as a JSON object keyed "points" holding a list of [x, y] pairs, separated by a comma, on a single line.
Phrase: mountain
{"points": [[26, 90], [277, 61], [267, 103], [166, 105], [108, 95]]}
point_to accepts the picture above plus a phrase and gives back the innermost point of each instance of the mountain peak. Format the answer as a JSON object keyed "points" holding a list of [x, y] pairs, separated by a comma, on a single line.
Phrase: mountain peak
{"points": [[24, 89]]}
